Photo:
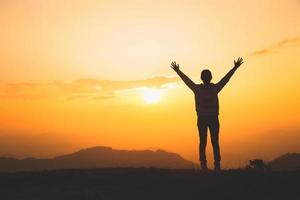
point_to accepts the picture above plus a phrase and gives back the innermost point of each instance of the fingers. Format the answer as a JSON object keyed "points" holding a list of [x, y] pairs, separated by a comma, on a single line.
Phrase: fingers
{"points": [[239, 61], [174, 65]]}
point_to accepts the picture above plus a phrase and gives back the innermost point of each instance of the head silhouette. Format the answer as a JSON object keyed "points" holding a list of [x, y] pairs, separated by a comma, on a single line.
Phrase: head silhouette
{"points": [[206, 76]]}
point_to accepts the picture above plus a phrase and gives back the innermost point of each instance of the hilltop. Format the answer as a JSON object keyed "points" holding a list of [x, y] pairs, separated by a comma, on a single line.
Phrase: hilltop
{"points": [[99, 157]]}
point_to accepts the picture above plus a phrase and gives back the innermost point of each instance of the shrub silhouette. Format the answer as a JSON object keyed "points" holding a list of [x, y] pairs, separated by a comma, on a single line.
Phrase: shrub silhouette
{"points": [[258, 165]]}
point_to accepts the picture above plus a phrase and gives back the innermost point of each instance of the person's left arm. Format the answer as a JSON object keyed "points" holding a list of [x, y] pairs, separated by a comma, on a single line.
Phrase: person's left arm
{"points": [[184, 77]]}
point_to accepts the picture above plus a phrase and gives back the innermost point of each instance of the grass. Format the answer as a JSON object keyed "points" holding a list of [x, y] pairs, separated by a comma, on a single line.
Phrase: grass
{"points": [[147, 183]]}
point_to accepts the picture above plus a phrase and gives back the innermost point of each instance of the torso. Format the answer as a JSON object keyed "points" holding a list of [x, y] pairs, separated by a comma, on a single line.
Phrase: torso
{"points": [[206, 99]]}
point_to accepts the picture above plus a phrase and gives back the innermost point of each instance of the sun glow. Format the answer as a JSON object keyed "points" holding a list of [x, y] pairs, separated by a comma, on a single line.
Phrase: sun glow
{"points": [[151, 95]]}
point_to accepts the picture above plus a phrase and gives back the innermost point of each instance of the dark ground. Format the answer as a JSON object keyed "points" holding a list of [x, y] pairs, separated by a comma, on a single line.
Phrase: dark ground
{"points": [[144, 184]]}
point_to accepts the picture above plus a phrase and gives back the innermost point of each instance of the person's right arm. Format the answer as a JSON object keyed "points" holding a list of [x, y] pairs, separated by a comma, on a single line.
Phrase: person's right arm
{"points": [[226, 78], [184, 77]]}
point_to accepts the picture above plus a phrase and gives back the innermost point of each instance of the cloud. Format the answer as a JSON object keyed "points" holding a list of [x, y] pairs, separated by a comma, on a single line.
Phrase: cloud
{"points": [[275, 47], [94, 97], [79, 89], [25, 143], [103, 97]]}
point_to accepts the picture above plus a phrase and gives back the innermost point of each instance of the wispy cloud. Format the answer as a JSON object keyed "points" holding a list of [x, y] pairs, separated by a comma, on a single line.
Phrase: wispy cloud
{"points": [[79, 89], [94, 97], [277, 46]]}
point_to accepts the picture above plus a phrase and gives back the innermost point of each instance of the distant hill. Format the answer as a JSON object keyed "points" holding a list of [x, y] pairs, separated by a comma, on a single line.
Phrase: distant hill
{"points": [[286, 162], [99, 157]]}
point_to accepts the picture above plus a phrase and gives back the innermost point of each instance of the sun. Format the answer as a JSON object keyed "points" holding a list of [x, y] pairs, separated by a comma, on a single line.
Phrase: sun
{"points": [[151, 95]]}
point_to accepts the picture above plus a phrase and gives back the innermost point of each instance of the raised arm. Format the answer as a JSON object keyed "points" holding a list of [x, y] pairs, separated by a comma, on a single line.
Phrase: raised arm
{"points": [[184, 77], [227, 77]]}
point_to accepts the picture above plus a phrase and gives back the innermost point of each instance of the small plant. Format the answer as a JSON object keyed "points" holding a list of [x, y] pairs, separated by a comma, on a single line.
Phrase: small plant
{"points": [[258, 165]]}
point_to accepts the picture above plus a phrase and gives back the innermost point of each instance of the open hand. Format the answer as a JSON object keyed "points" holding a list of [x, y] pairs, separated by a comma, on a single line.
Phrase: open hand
{"points": [[174, 66], [238, 62]]}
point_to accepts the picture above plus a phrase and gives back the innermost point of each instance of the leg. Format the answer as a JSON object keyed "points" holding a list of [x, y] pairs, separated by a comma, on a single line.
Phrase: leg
{"points": [[214, 127], [202, 128]]}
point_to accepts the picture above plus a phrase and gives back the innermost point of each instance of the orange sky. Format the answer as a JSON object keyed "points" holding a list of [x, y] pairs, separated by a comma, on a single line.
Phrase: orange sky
{"points": [[74, 73]]}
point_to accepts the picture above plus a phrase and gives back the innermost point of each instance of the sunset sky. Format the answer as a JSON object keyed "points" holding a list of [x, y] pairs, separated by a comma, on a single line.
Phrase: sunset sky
{"points": [[82, 73]]}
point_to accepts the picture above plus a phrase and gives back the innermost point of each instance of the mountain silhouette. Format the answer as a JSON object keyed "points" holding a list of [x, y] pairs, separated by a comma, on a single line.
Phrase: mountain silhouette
{"points": [[286, 162], [99, 157]]}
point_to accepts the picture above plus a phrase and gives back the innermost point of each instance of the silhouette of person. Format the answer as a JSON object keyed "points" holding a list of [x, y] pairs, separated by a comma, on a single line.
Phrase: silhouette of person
{"points": [[207, 108]]}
